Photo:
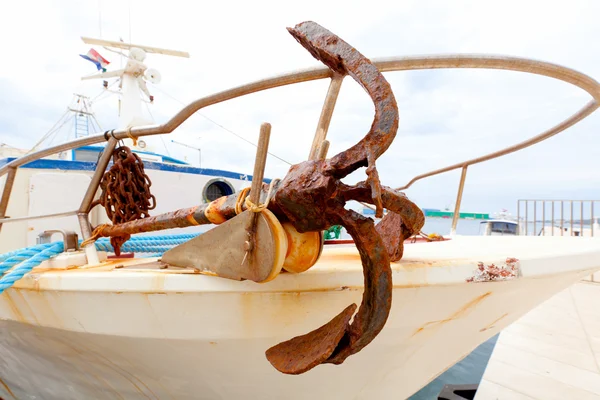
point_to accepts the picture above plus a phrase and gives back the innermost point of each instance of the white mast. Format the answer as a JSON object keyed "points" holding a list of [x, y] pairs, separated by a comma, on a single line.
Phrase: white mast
{"points": [[133, 79]]}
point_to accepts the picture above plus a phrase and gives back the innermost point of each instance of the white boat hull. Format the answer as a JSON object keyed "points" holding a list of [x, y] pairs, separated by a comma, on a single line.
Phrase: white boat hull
{"points": [[103, 333]]}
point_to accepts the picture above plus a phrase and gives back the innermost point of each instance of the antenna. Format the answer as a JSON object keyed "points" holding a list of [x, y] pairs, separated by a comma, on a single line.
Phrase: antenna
{"points": [[192, 147], [99, 18], [110, 74], [127, 46], [133, 77]]}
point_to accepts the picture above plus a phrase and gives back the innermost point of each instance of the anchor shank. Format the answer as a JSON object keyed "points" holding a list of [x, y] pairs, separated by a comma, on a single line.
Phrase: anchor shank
{"points": [[215, 212]]}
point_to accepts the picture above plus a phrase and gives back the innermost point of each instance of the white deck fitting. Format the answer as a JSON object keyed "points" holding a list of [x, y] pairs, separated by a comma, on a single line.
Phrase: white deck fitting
{"points": [[551, 353]]}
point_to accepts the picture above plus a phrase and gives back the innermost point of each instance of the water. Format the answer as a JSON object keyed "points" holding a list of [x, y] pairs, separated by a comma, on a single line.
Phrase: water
{"points": [[468, 371]]}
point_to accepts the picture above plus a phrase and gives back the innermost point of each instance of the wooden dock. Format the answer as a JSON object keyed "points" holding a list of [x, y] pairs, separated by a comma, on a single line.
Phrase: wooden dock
{"points": [[551, 353]]}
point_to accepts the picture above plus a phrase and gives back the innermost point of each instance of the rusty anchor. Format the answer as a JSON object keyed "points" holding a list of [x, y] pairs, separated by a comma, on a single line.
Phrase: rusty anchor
{"points": [[320, 179], [311, 198]]}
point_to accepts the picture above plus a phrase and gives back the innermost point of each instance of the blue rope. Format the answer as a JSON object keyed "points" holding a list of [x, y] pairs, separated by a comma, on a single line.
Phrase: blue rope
{"points": [[146, 244], [135, 247], [15, 264], [44, 253], [20, 251], [164, 237]]}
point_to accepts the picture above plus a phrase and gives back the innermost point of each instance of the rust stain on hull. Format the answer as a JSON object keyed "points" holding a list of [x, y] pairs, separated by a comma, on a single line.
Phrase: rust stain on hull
{"points": [[158, 284], [13, 307], [492, 324], [5, 386], [26, 304], [457, 314]]}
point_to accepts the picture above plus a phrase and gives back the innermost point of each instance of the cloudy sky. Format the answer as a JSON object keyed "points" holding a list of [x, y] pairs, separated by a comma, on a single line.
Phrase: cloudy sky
{"points": [[446, 116]]}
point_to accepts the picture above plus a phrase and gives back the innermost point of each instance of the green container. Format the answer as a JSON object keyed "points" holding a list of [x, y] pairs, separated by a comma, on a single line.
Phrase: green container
{"points": [[450, 214]]}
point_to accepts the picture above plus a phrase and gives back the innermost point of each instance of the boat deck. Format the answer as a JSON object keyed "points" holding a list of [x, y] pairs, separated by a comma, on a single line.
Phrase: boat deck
{"points": [[551, 353]]}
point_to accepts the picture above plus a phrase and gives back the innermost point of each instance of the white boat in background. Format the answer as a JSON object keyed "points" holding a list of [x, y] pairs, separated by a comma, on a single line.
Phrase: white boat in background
{"points": [[502, 224], [151, 328]]}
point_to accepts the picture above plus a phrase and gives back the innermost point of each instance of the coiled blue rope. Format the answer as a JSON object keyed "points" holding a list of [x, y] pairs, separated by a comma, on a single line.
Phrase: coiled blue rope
{"points": [[15, 264]]}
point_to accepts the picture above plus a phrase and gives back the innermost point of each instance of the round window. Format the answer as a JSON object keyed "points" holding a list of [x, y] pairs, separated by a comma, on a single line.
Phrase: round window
{"points": [[216, 188]]}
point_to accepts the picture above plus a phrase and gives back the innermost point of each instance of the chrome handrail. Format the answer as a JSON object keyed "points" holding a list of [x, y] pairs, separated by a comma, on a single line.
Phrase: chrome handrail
{"points": [[565, 74], [591, 216]]}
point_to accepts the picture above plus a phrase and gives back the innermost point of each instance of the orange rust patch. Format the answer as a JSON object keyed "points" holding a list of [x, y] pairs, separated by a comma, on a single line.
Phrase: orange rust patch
{"points": [[212, 343], [191, 219], [303, 249], [7, 389], [213, 213], [491, 325], [457, 314]]}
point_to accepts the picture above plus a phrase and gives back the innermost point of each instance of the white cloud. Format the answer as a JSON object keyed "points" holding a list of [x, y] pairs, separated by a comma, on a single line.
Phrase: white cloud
{"points": [[446, 116]]}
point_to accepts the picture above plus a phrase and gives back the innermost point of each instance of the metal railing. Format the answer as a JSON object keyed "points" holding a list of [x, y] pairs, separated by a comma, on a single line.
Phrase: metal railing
{"points": [[558, 217], [384, 65]]}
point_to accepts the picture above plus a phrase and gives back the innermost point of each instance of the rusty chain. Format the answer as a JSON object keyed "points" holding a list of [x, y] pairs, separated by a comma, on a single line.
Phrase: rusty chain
{"points": [[126, 192]]}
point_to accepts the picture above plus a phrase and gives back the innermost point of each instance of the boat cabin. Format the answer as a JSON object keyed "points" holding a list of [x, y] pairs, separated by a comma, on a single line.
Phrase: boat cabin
{"points": [[499, 227]]}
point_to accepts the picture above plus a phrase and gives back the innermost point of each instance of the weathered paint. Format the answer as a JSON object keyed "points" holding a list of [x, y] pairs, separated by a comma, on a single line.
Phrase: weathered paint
{"points": [[492, 272], [165, 347], [493, 323], [457, 314], [5, 386]]}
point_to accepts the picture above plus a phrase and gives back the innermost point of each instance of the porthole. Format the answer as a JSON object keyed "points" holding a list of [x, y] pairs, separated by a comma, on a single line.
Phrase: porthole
{"points": [[216, 188]]}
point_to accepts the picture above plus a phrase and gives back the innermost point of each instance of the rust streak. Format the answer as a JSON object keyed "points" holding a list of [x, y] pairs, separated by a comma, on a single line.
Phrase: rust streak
{"points": [[7, 389], [457, 314], [158, 284], [26, 304], [13, 307], [492, 324]]}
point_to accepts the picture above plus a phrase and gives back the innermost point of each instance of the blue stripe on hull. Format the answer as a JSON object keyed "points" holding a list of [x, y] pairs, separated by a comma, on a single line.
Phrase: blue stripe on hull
{"points": [[67, 165]]}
